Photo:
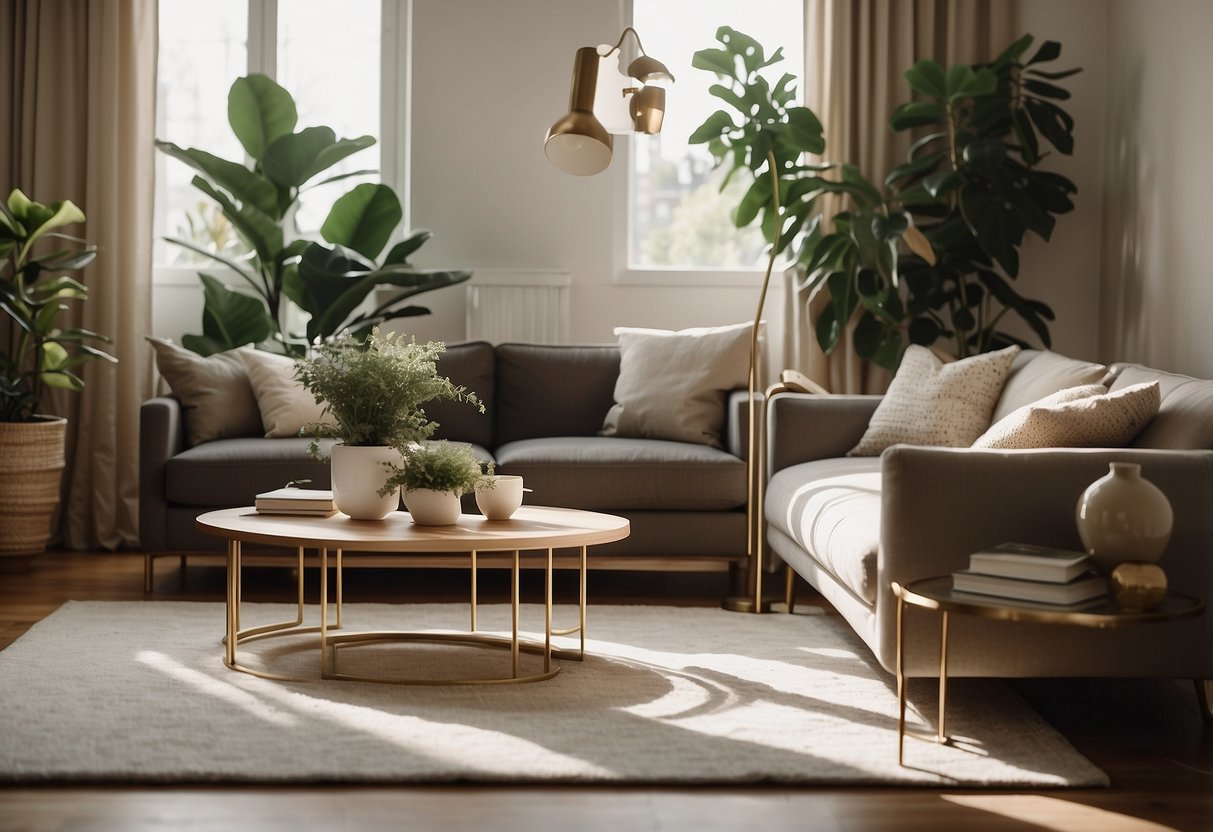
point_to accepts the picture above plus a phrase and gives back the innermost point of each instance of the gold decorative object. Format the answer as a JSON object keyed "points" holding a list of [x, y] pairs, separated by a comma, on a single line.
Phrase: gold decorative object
{"points": [[1137, 587], [605, 100]]}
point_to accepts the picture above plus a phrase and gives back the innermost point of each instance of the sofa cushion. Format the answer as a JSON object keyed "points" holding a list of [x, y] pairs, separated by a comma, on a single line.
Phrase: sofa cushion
{"points": [[1042, 374], [605, 473], [286, 405], [233, 471], [933, 403], [831, 508], [1078, 417], [471, 365], [1185, 415], [546, 390], [673, 385], [216, 398]]}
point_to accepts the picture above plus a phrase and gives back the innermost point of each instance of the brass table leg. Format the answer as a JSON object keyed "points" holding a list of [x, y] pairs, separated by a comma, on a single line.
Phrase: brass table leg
{"points": [[901, 677], [230, 641], [582, 601], [473, 590], [339, 604], [514, 611], [547, 617], [941, 735], [324, 612]]}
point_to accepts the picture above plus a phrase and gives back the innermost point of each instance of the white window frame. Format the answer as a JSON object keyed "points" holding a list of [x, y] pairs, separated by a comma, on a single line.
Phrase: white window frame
{"points": [[395, 104], [624, 274]]}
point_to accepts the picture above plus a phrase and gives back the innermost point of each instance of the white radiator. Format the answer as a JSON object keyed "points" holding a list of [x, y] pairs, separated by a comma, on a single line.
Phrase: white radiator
{"points": [[520, 306]]}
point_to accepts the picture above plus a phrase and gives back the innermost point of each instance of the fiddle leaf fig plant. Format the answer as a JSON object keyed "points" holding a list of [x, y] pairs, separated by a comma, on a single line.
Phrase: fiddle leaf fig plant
{"points": [[34, 291], [330, 284]]}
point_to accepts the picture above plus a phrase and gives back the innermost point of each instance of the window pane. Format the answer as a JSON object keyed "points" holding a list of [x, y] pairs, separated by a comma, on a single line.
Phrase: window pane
{"points": [[677, 217], [202, 51], [334, 78]]}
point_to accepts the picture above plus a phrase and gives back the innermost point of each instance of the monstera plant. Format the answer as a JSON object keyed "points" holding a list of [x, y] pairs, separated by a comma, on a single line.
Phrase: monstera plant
{"points": [[332, 284], [932, 254]]}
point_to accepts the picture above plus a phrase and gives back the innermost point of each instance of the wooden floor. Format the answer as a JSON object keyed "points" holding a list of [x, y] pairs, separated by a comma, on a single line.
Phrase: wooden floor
{"points": [[1147, 734]]}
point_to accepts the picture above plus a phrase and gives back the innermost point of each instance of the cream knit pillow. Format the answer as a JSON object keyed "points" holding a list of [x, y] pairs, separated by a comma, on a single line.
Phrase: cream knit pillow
{"points": [[932, 403], [1080, 417]]}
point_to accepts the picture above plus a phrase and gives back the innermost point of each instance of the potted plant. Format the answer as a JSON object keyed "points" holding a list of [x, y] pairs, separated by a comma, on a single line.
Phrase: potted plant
{"points": [[933, 254], [373, 391], [259, 197], [39, 354], [434, 476]]}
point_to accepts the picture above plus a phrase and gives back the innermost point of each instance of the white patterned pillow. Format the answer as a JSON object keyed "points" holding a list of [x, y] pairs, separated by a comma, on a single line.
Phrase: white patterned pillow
{"points": [[932, 403], [1080, 417]]}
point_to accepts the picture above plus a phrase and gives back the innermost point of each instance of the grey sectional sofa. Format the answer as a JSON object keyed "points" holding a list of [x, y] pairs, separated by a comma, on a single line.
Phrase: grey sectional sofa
{"points": [[544, 408], [852, 526]]}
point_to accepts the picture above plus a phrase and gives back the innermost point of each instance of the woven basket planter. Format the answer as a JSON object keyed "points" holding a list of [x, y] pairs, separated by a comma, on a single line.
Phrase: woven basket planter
{"points": [[31, 463]]}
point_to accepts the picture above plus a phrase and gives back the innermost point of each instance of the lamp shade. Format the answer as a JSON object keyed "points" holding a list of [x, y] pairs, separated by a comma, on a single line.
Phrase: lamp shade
{"points": [[578, 143]]}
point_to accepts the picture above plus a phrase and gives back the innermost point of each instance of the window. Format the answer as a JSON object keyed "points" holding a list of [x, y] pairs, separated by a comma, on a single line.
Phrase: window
{"points": [[340, 62], [677, 218]]}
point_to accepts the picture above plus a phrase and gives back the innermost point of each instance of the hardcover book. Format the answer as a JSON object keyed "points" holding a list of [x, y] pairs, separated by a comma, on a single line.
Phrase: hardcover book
{"points": [[1030, 562], [296, 499], [1084, 588]]}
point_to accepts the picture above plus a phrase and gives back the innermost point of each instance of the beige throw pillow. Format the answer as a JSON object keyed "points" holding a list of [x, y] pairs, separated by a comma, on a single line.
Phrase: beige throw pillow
{"points": [[1046, 373], [1081, 417], [285, 404], [672, 385], [932, 403], [217, 401]]}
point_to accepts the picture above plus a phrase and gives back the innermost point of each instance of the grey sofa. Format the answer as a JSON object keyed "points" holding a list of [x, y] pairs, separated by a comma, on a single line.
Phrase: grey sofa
{"points": [[852, 526], [544, 408]]}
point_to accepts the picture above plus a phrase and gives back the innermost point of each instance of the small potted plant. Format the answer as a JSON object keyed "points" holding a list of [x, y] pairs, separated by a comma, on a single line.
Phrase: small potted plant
{"points": [[373, 390], [39, 353], [434, 476]]}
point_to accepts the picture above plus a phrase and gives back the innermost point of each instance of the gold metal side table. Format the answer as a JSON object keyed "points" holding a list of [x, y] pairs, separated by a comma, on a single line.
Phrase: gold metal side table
{"points": [[937, 594]]}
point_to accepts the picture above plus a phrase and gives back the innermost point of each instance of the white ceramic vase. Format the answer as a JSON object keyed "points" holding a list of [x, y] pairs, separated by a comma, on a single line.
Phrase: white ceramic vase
{"points": [[501, 500], [1124, 518], [432, 508], [358, 474]]}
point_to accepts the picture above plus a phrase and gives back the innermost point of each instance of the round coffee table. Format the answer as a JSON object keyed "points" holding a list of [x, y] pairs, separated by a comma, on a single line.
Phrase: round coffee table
{"points": [[937, 594], [531, 528]]}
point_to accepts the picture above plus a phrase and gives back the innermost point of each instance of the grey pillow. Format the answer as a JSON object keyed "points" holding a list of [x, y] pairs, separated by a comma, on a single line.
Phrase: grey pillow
{"points": [[1043, 375], [216, 397], [672, 385]]}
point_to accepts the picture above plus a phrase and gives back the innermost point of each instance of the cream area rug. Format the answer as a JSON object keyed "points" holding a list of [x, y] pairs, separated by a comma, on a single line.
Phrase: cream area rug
{"points": [[137, 692]]}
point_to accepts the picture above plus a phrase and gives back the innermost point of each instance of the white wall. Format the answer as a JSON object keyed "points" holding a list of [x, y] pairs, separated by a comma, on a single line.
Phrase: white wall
{"points": [[1066, 271], [488, 80], [1159, 179]]}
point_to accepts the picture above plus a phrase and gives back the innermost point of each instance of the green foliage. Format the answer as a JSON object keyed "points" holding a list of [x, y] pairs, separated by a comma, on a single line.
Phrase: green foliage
{"points": [[438, 466], [34, 291], [374, 389], [932, 254], [329, 283]]}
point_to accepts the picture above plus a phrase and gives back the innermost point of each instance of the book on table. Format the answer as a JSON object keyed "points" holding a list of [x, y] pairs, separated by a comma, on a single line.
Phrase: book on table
{"points": [[1030, 562], [1083, 588], [311, 501]]}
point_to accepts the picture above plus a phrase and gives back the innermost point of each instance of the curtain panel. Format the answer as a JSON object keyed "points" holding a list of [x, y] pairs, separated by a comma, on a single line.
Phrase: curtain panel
{"points": [[856, 54], [77, 87]]}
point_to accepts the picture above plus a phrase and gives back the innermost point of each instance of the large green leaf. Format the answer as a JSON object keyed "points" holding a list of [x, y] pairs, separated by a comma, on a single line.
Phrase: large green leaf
{"points": [[716, 124], [242, 183], [399, 253], [363, 219], [927, 77], [803, 131], [260, 230], [230, 319], [715, 60], [38, 219], [293, 159], [260, 111]]}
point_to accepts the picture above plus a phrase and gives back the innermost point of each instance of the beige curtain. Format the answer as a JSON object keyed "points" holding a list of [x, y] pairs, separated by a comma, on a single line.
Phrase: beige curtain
{"points": [[77, 90], [856, 52]]}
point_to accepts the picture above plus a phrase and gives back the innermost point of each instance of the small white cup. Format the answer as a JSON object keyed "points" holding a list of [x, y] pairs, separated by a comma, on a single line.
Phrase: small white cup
{"points": [[502, 500]]}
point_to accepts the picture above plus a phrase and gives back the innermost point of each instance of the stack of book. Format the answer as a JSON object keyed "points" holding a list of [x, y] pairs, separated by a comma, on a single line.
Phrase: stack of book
{"points": [[308, 502], [1023, 572]]}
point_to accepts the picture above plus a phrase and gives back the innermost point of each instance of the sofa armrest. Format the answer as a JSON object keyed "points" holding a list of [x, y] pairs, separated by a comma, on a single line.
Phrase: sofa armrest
{"points": [[941, 504], [161, 437], [802, 427], [737, 422]]}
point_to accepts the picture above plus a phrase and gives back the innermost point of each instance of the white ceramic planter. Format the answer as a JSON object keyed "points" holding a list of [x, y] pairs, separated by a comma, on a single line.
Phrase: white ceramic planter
{"points": [[1124, 518], [502, 500], [432, 508], [358, 474]]}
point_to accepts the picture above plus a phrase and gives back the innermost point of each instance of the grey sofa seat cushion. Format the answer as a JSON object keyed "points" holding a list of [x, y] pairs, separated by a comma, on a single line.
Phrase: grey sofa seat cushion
{"points": [[831, 508], [471, 365], [1183, 421], [230, 472], [545, 390], [605, 473]]}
